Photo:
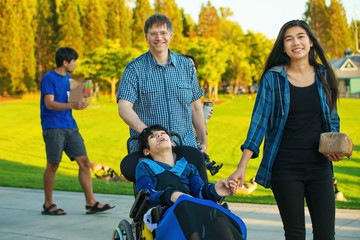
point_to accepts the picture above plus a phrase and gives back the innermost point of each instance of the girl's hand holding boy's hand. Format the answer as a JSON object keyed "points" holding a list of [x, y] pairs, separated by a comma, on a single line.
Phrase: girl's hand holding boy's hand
{"points": [[225, 188]]}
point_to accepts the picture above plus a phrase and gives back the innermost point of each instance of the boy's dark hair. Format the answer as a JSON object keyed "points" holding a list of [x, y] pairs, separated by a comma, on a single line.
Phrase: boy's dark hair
{"points": [[158, 19], [65, 53], [192, 58], [145, 133]]}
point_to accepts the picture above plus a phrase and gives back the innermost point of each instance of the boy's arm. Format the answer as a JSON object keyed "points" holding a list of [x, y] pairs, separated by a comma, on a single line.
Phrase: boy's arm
{"points": [[145, 182], [58, 106]]}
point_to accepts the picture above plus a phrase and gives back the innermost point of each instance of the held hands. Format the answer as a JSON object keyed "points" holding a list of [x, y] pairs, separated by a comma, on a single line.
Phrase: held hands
{"points": [[238, 176], [225, 188]]}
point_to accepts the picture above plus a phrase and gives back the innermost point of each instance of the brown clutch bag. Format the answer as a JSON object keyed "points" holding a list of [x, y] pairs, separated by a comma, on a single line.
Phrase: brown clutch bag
{"points": [[334, 142]]}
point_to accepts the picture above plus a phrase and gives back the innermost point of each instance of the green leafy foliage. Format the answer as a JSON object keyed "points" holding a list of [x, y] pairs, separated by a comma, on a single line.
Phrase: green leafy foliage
{"points": [[32, 30], [107, 63]]}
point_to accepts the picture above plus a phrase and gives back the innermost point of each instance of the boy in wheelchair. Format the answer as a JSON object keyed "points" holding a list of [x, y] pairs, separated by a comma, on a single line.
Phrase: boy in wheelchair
{"points": [[191, 209]]}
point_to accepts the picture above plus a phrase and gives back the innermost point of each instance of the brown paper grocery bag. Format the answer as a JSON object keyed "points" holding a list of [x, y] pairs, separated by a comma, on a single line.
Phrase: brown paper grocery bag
{"points": [[334, 142], [80, 90]]}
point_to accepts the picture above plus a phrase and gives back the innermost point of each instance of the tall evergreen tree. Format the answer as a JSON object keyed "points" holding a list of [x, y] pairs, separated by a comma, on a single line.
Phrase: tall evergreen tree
{"points": [[209, 22], [47, 36], [27, 10], [339, 34], [71, 33], [16, 37], [9, 39], [355, 35], [142, 11], [316, 15], [171, 10], [188, 25], [93, 25], [118, 22]]}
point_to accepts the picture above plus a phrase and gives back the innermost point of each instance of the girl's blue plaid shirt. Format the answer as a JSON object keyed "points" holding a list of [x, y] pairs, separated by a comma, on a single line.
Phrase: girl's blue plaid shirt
{"points": [[269, 117]]}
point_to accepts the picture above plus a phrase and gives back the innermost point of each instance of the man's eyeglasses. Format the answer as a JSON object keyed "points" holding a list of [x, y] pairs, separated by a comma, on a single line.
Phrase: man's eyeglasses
{"points": [[161, 34]]}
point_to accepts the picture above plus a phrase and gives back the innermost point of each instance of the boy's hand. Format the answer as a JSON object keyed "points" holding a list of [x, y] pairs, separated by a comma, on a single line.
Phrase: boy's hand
{"points": [[80, 105], [225, 188]]}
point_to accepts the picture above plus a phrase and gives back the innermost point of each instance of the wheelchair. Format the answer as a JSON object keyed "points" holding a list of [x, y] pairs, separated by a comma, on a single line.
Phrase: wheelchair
{"points": [[138, 229]]}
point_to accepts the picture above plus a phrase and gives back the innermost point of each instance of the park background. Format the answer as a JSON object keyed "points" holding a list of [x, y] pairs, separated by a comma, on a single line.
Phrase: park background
{"points": [[108, 34]]}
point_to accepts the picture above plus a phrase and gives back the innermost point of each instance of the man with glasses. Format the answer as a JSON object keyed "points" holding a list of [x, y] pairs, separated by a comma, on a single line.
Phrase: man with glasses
{"points": [[161, 87]]}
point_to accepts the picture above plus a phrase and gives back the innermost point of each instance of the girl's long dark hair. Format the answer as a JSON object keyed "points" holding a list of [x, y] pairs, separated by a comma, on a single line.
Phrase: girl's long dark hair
{"points": [[279, 57]]}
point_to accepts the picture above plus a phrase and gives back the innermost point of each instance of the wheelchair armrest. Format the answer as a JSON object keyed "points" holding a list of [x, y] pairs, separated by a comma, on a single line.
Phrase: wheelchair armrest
{"points": [[139, 206]]}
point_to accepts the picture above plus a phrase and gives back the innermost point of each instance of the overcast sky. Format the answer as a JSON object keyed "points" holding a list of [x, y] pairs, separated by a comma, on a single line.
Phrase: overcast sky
{"points": [[264, 16]]}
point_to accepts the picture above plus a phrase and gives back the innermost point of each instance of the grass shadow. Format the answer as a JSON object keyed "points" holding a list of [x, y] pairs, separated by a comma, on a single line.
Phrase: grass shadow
{"points": [[13, 174]]}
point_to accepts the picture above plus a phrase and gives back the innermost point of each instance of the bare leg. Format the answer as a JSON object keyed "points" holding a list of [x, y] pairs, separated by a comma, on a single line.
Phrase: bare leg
{"points": [[86, 181], [48, 180]]}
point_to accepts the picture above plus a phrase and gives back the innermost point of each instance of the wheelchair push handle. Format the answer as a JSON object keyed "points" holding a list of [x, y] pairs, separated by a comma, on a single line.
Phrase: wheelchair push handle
{"points": [[210, 165]]}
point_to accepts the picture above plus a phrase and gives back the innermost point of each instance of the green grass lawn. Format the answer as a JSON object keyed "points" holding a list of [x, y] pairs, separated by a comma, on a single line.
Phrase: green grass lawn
{"points": [[23, 159]]}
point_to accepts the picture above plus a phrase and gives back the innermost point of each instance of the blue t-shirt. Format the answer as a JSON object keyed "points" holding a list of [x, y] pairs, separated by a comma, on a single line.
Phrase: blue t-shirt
{"points": [[59, 86]]}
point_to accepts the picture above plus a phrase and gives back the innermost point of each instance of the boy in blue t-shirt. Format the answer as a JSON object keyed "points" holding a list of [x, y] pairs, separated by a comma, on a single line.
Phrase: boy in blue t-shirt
{"points": [[60, 132]]}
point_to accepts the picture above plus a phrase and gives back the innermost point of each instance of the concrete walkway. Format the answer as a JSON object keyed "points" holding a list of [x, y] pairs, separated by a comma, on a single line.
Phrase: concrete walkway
{"points": [[20, 217]]}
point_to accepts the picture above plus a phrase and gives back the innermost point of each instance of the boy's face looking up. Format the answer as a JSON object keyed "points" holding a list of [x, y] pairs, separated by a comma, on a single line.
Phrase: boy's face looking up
{"points": [[158, 141]]}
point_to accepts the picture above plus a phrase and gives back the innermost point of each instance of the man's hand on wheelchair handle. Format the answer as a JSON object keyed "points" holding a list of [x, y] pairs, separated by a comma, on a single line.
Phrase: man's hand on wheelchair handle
{"points": [[202, 148]]}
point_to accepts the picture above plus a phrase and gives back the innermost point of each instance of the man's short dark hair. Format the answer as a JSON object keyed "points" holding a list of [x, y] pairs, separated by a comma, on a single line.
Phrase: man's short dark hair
{"points": [[158, 19], [65, 53], [146, 132]]}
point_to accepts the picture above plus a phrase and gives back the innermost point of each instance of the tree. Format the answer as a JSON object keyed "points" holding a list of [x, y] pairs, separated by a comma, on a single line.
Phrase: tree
{"points": [[355, 34], [316, 15], [209, 22], [338, 31], [142, 12], [8, 40], [16, 46], [171, 10], [118, 22], [212, 57], [259, 47], [107, 63], [70, 32], [47, 36], [93, 25], [27, 44], [188, 25]]}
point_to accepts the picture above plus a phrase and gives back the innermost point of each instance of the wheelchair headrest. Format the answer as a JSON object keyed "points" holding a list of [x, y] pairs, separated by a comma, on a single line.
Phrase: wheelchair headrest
{"points": [[191, 154]]}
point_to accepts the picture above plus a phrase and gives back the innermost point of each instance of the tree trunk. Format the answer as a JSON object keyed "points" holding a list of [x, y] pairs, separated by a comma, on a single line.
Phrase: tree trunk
{"points": [[113, 85], [216, 92]]}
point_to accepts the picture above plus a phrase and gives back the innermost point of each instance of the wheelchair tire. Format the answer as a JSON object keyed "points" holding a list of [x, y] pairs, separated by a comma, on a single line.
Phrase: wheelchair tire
{"points": [[123, 231]]}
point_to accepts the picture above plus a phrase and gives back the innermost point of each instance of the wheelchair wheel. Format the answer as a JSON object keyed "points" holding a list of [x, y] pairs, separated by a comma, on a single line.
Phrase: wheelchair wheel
{"points": [[123, 231]]}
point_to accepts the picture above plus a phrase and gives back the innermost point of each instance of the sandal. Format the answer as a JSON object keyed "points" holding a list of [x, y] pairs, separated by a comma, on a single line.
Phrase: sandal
{"points": [[95, 209], [56, 212]]}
